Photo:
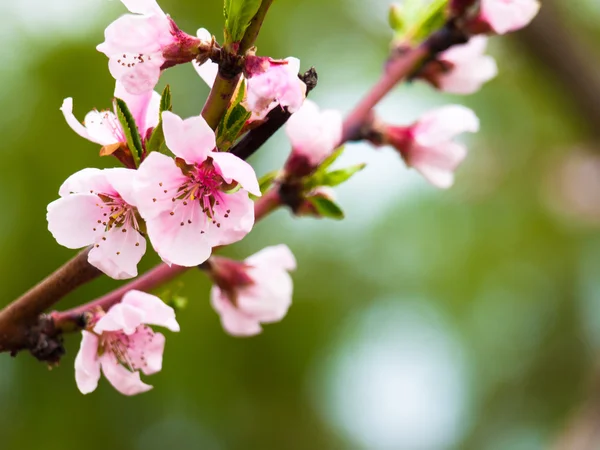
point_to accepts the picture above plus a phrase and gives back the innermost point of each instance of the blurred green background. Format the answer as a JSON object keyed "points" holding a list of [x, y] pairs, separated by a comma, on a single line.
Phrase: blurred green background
{"points": [[463, 319]]}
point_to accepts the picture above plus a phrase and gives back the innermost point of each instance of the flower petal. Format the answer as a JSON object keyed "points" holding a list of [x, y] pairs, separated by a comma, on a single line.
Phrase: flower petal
{"points": [[138, 105], [139, 78], [104, 127], [87, 365], [146, 350], [442, 124], [143, 6], [118, 252], [156, 312], [508, 15], [191, 139], [122, 181], [230, 167], [156, 184], [76, 126], [234, 322], [181, 238], [73, 220], [124, 381], [279, 256], [120, 317], [86, 181], [235, 214]]}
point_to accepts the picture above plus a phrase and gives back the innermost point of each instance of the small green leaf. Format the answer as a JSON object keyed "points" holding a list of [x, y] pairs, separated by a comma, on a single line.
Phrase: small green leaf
{"points": [[238, 14], [337, 177], [330, 160], [132, 135], [157, 139], [327, 208], [233, 121], [420, 19], [396, 18], [267, 180]]}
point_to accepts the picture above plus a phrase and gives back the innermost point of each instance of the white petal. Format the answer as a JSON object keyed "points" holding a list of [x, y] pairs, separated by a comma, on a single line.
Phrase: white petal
{"points": [[276, 256], [73, 220], [156, 312], [87, 365], [118, 252], [123, 318], [124, 381]]}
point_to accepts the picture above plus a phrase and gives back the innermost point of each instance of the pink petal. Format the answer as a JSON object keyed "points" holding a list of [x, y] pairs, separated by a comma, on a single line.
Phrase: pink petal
{"points": [[207, 71], [76, 126], [442, 124], [73, 220], [117, 253], [465, 53], [314, 133], [181, 238], [87, 365], [152, 114], [276, 256], [138, 105], [156, 312], [230, 167], [157, 182], [146, 350], [240, 220], [140, 78], [143, 6], [437, 164], [87, 181], [104, 127], [123, 318], [124, 381], [234, 322], [134, 35], [508, 15], [122, 181], [191, 139], [468, 78]]}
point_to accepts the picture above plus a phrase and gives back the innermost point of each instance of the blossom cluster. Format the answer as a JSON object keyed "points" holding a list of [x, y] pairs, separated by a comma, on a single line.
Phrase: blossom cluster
{"points": [[189, 195]]}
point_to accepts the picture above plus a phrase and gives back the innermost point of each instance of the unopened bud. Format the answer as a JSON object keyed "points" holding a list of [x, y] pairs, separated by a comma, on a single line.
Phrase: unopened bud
{"points": [[396, 17]]}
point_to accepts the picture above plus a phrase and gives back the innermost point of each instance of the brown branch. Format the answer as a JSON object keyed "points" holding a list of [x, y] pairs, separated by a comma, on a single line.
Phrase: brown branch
{"points": [[557, 48], [20, 315]]}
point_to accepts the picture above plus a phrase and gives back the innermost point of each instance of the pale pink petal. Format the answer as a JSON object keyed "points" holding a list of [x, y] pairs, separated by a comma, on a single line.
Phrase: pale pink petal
{"points": [[156, 312], [156, 184], [118, 251], [87, 365], [442, 124], [76, 126], [134, 35], [314, 133], [120, 317], [207, 71], [73, 220], [139, 78], [269, 299], [508, 15], [465, 53], [181, 238], [152, 115], [191, 139], [138, 105], [122, 180], [234, 322], [124, 381], [146, 350], [104, 127], [87, 181], [468, 78], [278, 256], [438, 164], [230, 167], [239, 209], [143, 6]]}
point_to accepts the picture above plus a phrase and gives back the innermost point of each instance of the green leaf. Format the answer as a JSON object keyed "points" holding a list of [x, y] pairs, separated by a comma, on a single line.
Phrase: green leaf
{"points": [[233, 121], [396, 18], [327, 208], [267, 180], [238, 14], [330, 160], [420, 19], [157, 139], [340, 176], [132, 135]]}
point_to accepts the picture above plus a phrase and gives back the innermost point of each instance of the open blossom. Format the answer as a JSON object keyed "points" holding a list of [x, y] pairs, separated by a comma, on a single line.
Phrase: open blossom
{"points": [[141, 44], [427, 144], [198, 201], [97, 208], [103, 127], [277, 85], [121, 344], [254, 292], [463, 68], [504, 16], [314, 135]]}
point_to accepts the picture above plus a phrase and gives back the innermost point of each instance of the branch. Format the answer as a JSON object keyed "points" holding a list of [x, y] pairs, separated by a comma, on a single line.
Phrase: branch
{"points": [[20, 315]]}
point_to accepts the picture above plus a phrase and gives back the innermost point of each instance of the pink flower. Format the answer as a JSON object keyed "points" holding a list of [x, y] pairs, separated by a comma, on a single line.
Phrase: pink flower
{"points": [[198, 201], [314, 135], [504, 16], [260, 293], [428, 147], [97, 208], [140, 45], [277, 85], [121, 344], [208, 70], [103, 127], [465, 67]]}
